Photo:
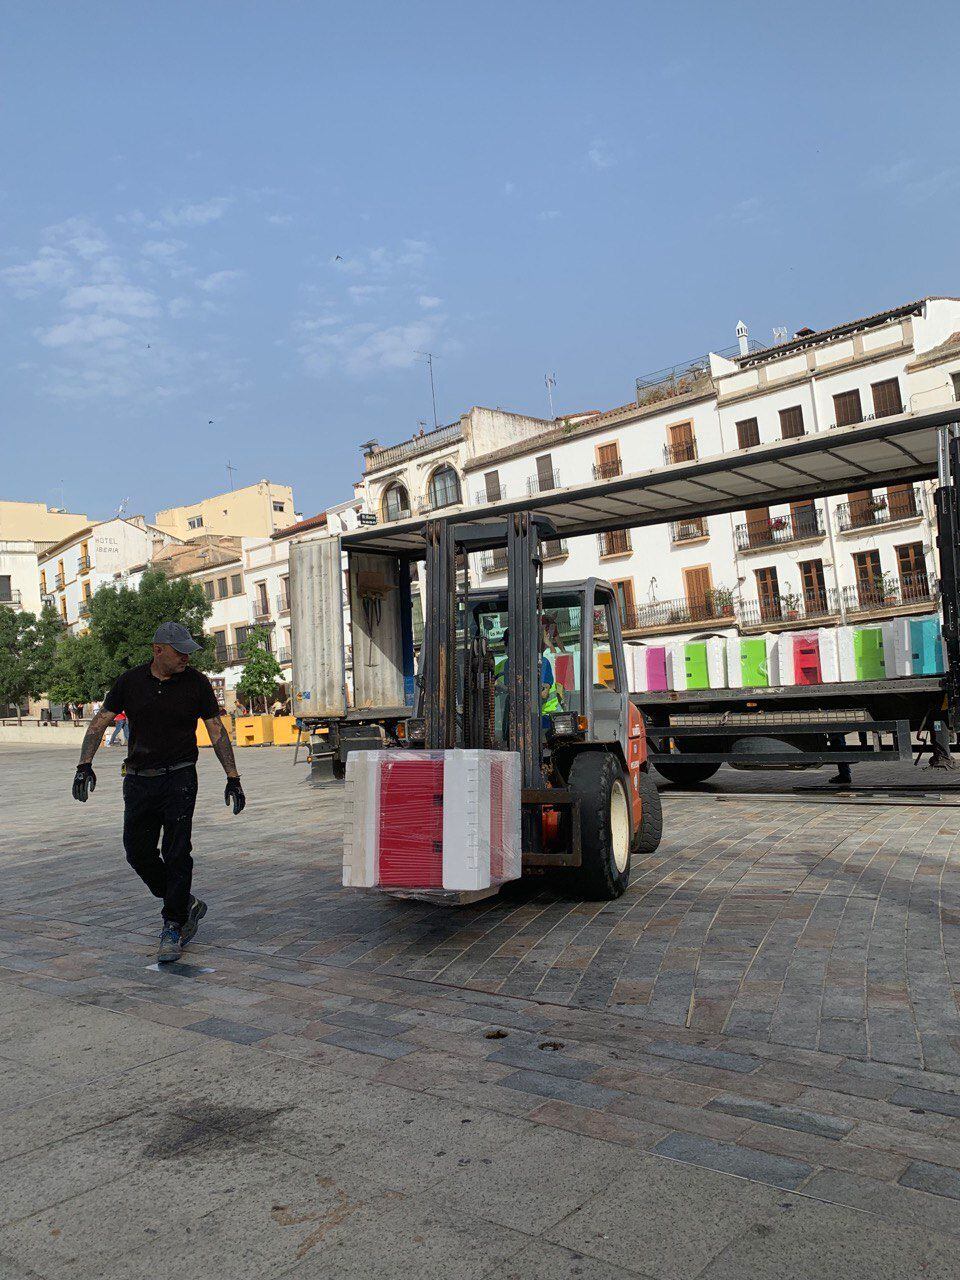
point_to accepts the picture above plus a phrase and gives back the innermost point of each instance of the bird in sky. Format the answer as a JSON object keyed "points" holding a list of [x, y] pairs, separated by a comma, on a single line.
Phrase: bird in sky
{"points": [[338, 258]]}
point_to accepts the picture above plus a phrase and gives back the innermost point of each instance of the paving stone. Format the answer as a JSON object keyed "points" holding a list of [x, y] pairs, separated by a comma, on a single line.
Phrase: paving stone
{"points": [[224, 1029], [758, 1166], [944, 1104], [704, 1057], [786, 1117], [367, 1042], [935, 1178], [898, 1203], [543, 1060], [581, 1092]]}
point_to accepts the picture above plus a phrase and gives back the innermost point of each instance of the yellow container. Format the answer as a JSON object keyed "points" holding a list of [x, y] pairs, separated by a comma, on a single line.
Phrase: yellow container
{"points": [[254, 731], [284, 731], [203, 738]]}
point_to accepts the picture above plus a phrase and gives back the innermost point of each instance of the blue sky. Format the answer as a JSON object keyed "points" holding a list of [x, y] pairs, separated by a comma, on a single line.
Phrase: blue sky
{"points": [[596, 190]]}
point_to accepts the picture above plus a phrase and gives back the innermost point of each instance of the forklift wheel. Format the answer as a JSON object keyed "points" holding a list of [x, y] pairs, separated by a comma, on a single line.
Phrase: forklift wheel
{"points": [[648, 834], [598, 780]]}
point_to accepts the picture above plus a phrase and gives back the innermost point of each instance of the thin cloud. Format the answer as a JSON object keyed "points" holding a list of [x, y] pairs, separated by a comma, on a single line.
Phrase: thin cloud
{"points": [[428, 302], [218, 281], [196, 214], [83, 331], [748, 211], [162, 249], [548, 215], [600, 154], [280, 219], [362, 349]]}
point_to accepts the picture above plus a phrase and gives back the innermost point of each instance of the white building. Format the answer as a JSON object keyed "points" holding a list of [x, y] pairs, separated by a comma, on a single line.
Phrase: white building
{"points": [[101, 554], [20, 576]]}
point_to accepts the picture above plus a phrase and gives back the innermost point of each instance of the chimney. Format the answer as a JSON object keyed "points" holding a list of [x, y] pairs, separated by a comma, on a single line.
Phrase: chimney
{"points": [[742, 338]]}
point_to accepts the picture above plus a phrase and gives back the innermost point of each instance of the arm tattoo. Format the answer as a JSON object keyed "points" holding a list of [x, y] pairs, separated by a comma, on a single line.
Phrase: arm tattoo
{"points": [[95, 731], [220, 742]]}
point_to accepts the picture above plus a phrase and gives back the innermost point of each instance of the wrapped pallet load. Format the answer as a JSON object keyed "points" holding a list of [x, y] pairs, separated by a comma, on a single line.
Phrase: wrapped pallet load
{"points": [[432, 822], [635, 659], [750, 660], [717, 662]]}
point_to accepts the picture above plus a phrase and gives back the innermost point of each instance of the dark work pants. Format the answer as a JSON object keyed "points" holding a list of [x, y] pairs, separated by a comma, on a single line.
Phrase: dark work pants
{"points": [[151, 806]]}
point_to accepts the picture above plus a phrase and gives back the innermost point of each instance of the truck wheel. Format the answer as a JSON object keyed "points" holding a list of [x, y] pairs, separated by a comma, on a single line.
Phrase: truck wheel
{"points": [[339, 768], [685, 773], [648, 835], [598, 781]]}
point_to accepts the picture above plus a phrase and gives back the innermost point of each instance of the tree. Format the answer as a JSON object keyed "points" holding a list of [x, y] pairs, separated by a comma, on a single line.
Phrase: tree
{"points": [[16, 640], [81, 671], [47, 631], [261, 671], [124, 621]]}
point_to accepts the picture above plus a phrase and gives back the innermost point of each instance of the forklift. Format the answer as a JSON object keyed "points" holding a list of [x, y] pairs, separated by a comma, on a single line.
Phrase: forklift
{"points": [[494, 661]]}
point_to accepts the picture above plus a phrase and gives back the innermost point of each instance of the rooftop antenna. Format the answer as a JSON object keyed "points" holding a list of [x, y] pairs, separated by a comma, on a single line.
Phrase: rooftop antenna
{"points": [[428, 355], [62, 505], [550, 381], [230, 470], [780, 334], [125, 502]]}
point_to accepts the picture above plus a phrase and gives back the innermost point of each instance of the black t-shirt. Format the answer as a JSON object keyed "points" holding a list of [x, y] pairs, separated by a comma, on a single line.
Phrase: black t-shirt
{"points": [[162, 714]]}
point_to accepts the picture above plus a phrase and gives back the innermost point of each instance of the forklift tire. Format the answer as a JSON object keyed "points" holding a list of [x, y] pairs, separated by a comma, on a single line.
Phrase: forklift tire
{"points": [[648, 834], [599, 782], [686, 773], [339, 768]]}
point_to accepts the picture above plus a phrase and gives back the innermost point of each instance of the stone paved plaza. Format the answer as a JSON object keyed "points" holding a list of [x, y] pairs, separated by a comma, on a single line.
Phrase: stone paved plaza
{"points": [[747, 1066]]}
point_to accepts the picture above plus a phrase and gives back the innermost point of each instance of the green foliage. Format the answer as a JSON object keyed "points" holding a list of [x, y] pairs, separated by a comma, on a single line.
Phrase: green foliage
{"points": [[123, 621], [80, 671], [27, 647], [261, 671], [43, 651]]}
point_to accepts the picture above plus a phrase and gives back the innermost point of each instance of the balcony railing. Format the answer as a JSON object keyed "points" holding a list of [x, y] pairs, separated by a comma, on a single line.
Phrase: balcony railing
{"points": [[683, 451], [788, 608], [777, 530], [608, 470], [261, 611], [59, 581], [494, 561], [882, 508], [543, 484], [616, 543], [667, 613], [283, 603], [413, 448], [908, 589], [84, 609], [688, 530], [83, 564], [481, 498], [12, 599], [554, 549], [283, 656]]}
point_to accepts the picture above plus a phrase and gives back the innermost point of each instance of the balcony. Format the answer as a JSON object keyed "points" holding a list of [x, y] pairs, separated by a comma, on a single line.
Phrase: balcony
{"points": [[481, 498], [616, 543], [543, 484], [12, 599], [553, 549], [882, 508], [228, 655], [58, 582], [283, 603], [775, 531], [261, 611], [682, 451], [910, 589], [84, 609], [421, 444], [688, 530], [83, 564], [663, 614], [283, 656], [774, 610], [494, 561], [608, 470]]}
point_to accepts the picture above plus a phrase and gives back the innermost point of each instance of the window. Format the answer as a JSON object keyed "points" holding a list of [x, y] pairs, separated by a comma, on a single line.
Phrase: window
{"points": [[681, 445], [615, 543], [791, 422], [221, 588], [861, 507], [698, 589], [759, 527], [545, 473], [846, 408], [748, 433], [886, 398], [768, 593], [43, 582], [86, 591], [608, 464], [240, 636], [689, 530], [196, 522], [902, 502], [866, 568], [60, 575], [396, 503], [6, 587], [444, 487], [236, 584], [626, 602], [279, 506], [912, 572], [491, 485], [955, 379], [208, 588], [285, 593], [553, 549], [220, 645], [803, 518], [814, 587], [63, 608], [263, 604]]}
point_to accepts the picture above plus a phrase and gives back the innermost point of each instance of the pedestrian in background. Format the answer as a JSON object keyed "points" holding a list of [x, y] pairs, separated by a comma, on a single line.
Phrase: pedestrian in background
{"points": [[119, 730]]}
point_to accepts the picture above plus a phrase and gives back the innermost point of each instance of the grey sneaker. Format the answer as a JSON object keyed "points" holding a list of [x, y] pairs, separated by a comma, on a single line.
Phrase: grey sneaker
{"points": [[171, 947], [198, 910]]}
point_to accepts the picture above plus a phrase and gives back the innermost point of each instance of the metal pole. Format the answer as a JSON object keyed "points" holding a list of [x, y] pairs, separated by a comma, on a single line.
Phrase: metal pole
{"points": [[828, 516]]}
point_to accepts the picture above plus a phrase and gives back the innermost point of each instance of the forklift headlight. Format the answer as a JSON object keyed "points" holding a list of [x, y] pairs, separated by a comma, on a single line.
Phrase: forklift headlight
{"points": [[416, 730], [566, 724]]}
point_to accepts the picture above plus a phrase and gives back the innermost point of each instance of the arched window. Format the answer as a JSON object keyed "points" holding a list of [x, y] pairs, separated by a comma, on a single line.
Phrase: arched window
{"points": [[444, 487], [396, 503]]}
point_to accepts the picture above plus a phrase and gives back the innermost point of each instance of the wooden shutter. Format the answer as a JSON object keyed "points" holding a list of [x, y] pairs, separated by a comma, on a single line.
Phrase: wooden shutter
{"points": [[791, 422], [866, 566], [803, 517], [748, 433], [608, 461], [912, 571], [886, 398], [901, 502], [492, 484], [814, 586], [545, 471], [759, 533], [698, 588], [861, 508], [682, 445], [626, 602], [768, 592], [846, 408]]}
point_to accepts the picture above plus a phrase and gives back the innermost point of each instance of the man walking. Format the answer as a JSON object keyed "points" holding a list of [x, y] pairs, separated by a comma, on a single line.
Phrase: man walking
{"points": [[163, 699]]}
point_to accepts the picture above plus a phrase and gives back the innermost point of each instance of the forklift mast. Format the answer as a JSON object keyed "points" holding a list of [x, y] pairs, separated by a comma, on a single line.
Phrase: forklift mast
{"points": [[947, 500]]}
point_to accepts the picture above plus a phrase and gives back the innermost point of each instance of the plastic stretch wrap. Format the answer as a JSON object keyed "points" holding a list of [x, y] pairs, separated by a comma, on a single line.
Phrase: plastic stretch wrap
{"points": [[432, 820]]}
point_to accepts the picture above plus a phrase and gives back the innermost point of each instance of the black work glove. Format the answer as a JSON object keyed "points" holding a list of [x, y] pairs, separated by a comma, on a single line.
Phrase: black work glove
{"points": [[233, 791], [84, 781]]}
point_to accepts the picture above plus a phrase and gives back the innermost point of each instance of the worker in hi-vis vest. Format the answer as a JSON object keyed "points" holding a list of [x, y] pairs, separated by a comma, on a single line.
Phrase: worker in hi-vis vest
{"points": [[551, 693]]}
